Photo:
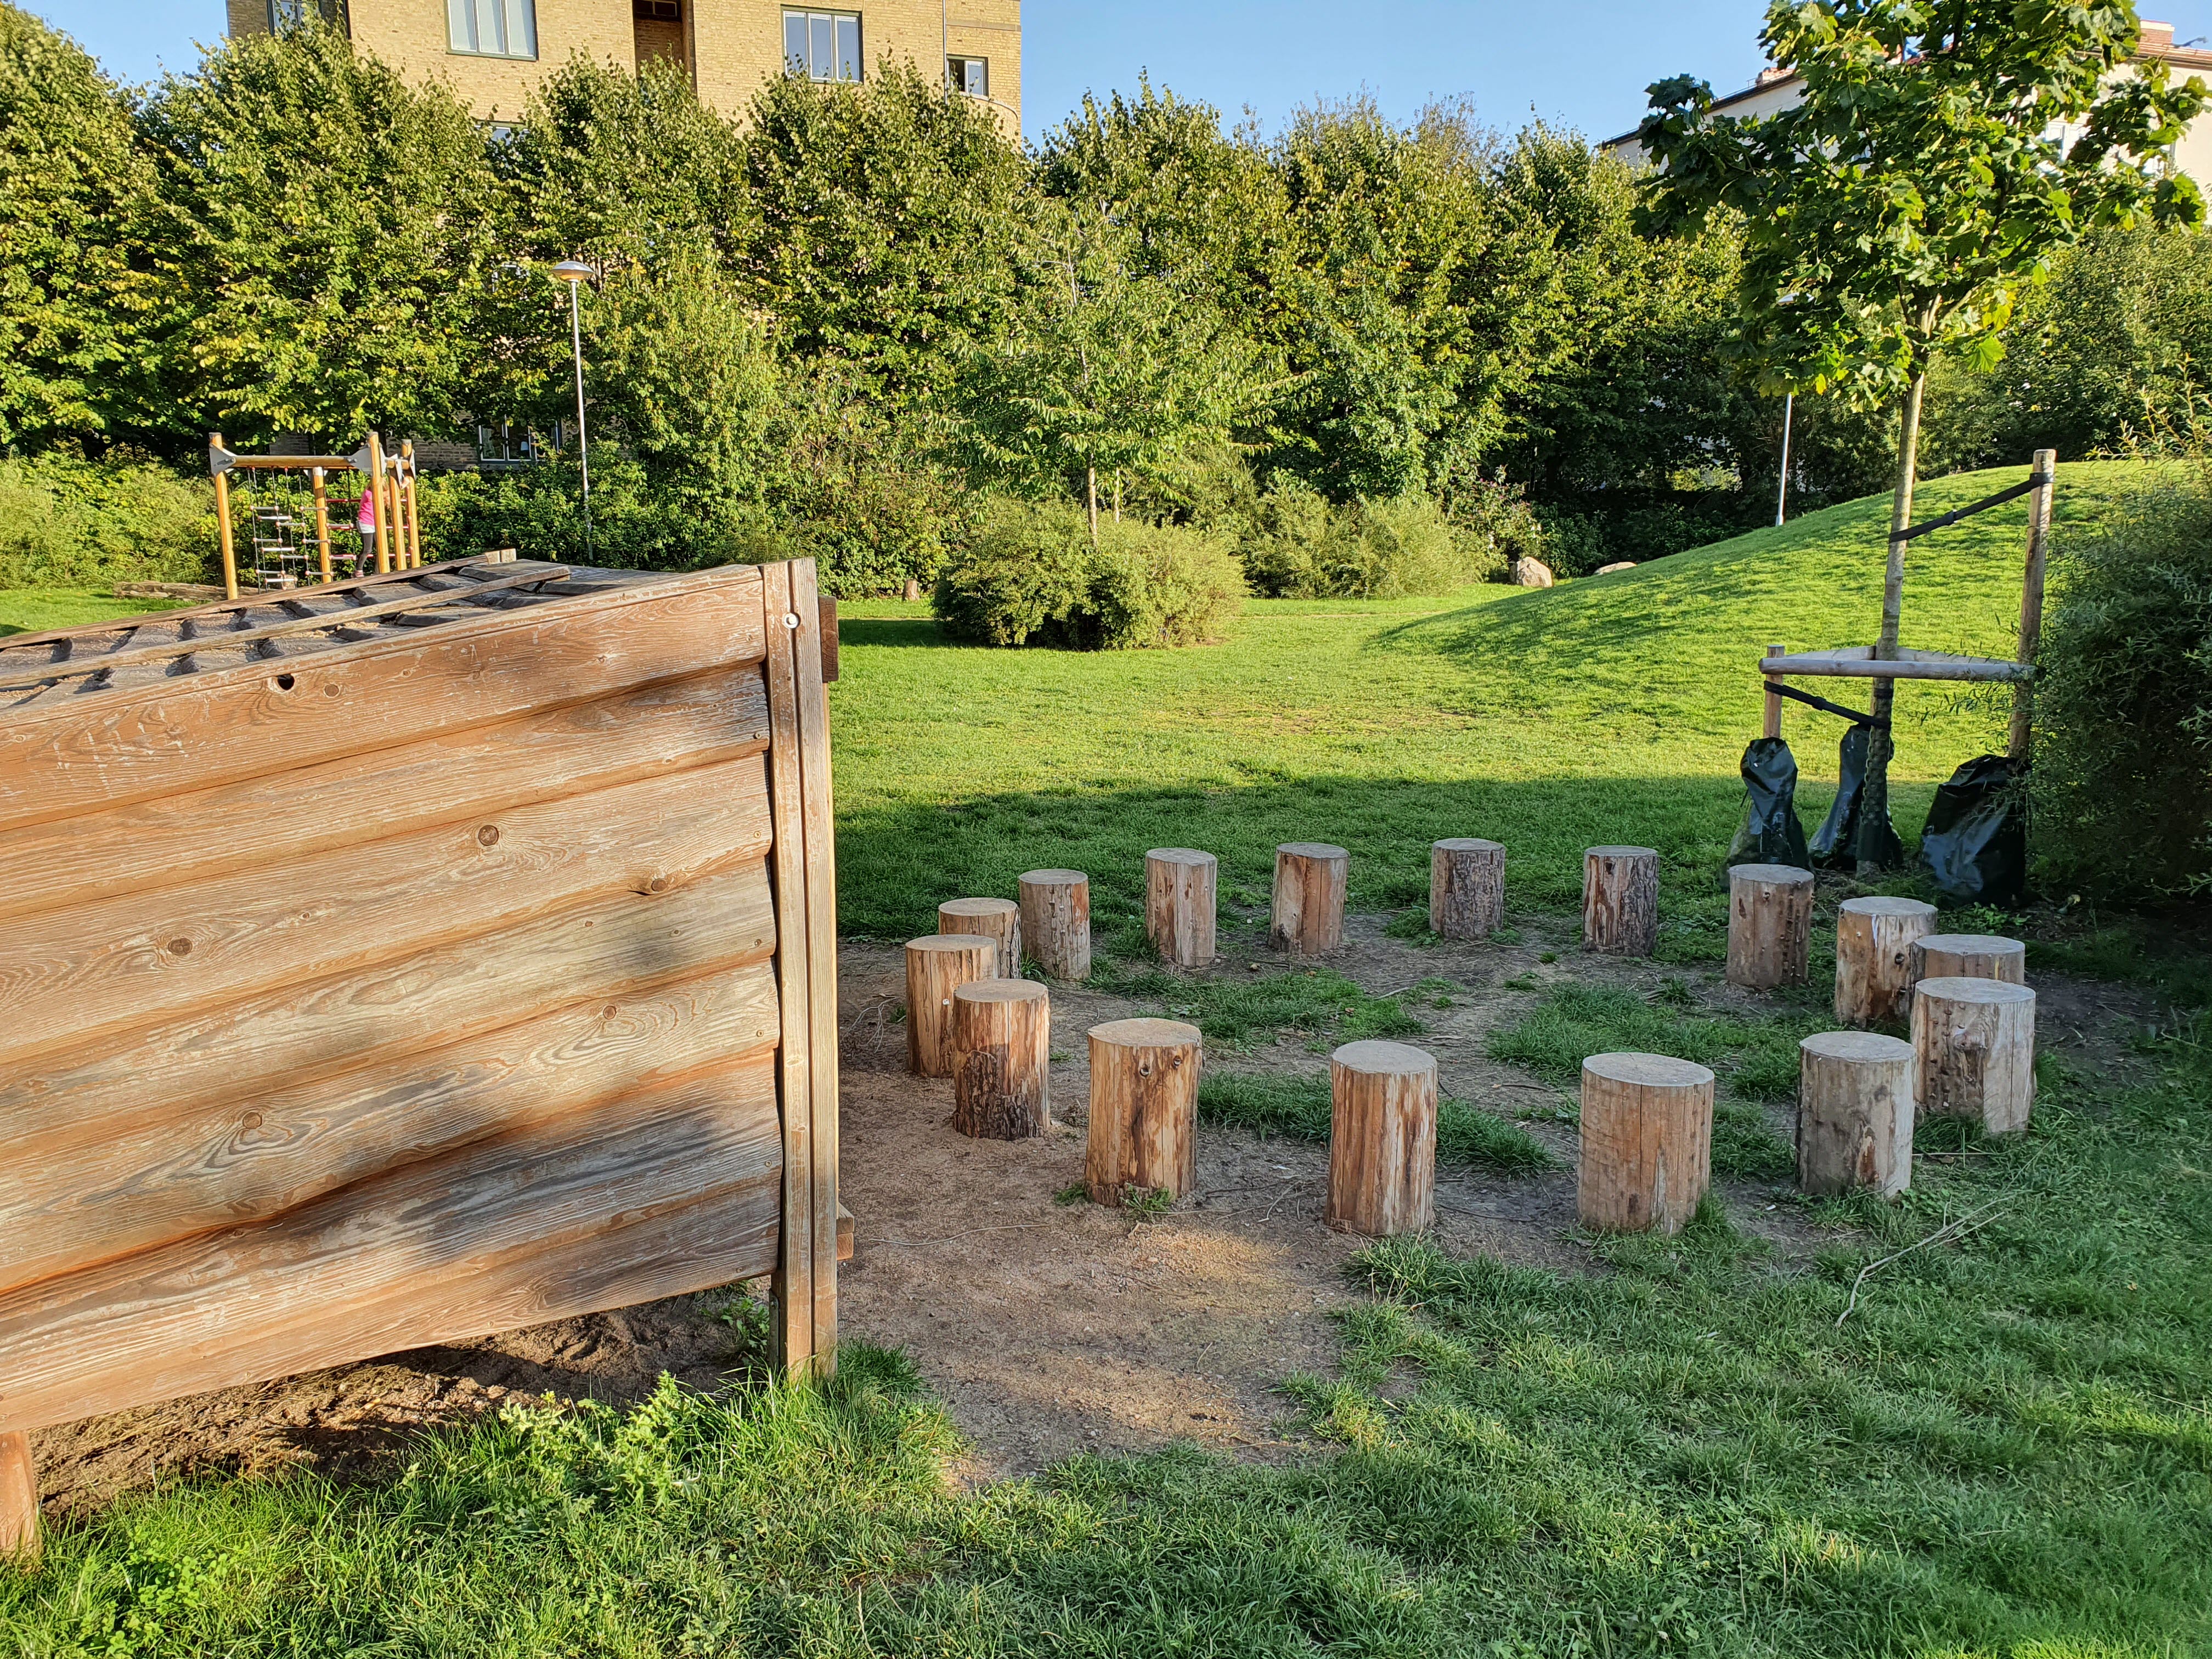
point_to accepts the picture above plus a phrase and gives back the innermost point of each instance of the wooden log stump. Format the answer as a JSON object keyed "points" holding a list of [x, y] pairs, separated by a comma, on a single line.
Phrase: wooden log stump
{"points": [[1969, 955], [936, 967], [1974, 1041], [1308, 916], [1382, 1139], [1647, 1126], [19, 1500], [1467, 888], [1620, 901], [1770, 925], [1001, 1059], [1875, 938], [1855, 1093], [1144, 1109], [1056, 921], [1179, 897], [997, 920]]}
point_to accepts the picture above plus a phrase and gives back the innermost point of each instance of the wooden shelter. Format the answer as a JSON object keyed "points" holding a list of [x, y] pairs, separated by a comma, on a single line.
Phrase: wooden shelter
{"points": [[412, 958]]}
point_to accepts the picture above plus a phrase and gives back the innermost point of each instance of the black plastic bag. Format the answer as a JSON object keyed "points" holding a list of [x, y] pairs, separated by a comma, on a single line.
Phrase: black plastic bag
{"points": [[1975, 841], [1770, 833], [1836, 843]]}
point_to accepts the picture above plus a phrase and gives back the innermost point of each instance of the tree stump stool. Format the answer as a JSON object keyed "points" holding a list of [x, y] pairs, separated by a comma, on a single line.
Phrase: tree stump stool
{"points": [[1620, 901], [1770, 925], [1875, 938], [1382, 1139], [1307, 915], [1467, 888], [1647, 1126], [936, 967], [1056, 921], [1144, 1109], [1969, 955], [997, 920], [1974, 1040], [1179, 888], [19, 1500], [1001, 1059], [1855, 1112]]}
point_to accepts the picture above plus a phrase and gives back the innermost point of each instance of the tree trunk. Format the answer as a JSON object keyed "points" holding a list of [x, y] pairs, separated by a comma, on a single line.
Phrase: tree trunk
{"points": [[1873, 850], [1382, 1139], [1647, 1125], [1975, 1042], [1620, 901], [1091, 483], [1874, 957], [1770, 925], [1056, 921], [1854, 1113], [997, 920], [1144, 1109], [1308, 913], [1467, 888], [1969, 955], [19, 1500], [1179, 905], [1117, 495], [936, 967], [1001, 1059]]}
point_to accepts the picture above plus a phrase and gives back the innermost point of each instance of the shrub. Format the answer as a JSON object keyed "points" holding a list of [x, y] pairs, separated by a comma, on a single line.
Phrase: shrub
{"points": [[1299, 548], [1031, 575], [2122, 778], [1595, 532], [71, 523], [636, 523]]}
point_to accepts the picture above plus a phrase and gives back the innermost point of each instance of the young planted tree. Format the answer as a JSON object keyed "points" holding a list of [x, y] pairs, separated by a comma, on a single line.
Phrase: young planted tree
{"points": [[1943, 153]]}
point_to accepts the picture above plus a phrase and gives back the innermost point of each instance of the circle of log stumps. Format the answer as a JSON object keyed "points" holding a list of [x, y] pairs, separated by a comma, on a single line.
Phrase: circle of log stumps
{"points": [[1307, 917], [1055, 921], [997, 920], [1467, 888], [1974, 1044], [1001, 1059], [1855, 1099], [1875, 938], [1179, 901], [936, 967], [1770, 925], [1382, 1139], [1969, 955], [1647, 1131], [1144, 1109], [1620, 901]]}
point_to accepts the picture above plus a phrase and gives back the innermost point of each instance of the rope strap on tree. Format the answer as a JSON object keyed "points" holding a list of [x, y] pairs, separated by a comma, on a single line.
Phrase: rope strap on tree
{"points": [[2035, 481], [1827, 707]]}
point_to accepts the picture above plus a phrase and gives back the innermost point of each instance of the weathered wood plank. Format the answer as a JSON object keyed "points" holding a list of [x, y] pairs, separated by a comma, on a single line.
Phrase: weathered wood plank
{"points": [[667, 1193], [819, 833], [165, 1174], [793, 1327], [265, 823], [126, 963]]}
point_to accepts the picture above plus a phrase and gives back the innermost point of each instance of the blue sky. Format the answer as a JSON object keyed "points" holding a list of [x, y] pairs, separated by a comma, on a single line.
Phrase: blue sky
{"points": [[1580, 63]]}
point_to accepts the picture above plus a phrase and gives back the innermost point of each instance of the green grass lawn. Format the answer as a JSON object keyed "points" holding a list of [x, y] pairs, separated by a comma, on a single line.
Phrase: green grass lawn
{"points": [[33, 610]]}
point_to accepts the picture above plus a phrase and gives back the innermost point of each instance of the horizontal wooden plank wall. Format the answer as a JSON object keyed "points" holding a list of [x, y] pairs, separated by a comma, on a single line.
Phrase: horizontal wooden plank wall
{"points": [[442, 989]]}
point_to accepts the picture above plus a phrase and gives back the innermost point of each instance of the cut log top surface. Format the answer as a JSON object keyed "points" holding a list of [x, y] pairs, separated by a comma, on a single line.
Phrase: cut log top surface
{"points": [[1000, 990], [1312, 849], [1468, 844], [1056, 877], [976, 907], [950, 942], [1886, 906], [1620, 853], [1145, 1033], [1648, 1070], [1857, 1046], [1781, 875], [1976, 990], [1180, 855], [1972, 945], [1379, 1058]]}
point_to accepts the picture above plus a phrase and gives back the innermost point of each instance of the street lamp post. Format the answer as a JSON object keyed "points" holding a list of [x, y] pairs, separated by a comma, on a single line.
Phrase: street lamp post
{"points": [[573, 272], [1782, 496]]}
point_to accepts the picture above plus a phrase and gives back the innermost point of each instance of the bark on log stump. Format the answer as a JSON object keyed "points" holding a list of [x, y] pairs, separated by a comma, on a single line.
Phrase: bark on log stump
{"points": [[19, 1500], [1308, 916], [1855, 1092], [1001, 1059], [1969, 955], [1647, 1127], [1179, 890], [1620, 901], [1382, 1139], [936, 967], [1974, 1041], [1056, 921], [1770, 925], [1467, 888], [1144, 1109], [1875, 938], [997, 920]]}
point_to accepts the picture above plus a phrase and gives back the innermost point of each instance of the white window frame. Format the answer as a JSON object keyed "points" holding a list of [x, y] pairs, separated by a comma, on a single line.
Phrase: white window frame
{"points": [[808, 18], [969, 61], [492, 28]]}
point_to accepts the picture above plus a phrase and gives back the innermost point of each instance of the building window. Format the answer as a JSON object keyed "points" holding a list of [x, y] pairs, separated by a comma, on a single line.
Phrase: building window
{"points": [[823, 45], [657, 31], [291, 14], [504, 445], [969, 75], [492, 28]]}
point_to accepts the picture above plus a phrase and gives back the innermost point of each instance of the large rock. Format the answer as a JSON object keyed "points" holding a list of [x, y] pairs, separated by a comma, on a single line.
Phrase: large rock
{"points": [[1531, 573], [1607, 569]]}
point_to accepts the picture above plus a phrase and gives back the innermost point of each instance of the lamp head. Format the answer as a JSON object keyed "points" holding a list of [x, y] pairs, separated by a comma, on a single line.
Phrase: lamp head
{"points": [[573, 271]]}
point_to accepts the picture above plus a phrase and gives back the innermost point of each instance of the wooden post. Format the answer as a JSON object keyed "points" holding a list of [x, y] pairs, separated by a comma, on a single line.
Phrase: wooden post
{"points": [[936, 967], [19, 1498], [997, 920], [1307, 918], [1770, 925], [1647, 1124], [375, 486], [413, 505], [397, 497], [1144, 1109], [1467, 888], [1382, 1139], [1772, 726], [1179, 896], [1969, 955], [1855, 1112], [319, 482], [222, 514], [1620, 901], [1055, 921], [2021, 743], [1001, 1059], [1874, 957], [1975, 1043]]}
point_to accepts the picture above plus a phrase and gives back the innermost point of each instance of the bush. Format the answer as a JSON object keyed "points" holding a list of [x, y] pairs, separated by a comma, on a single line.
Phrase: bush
{"points": [[635, 524], [2122, 778], [1300, 548], [1032, 576], [71, 523], [1594, 533]]}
